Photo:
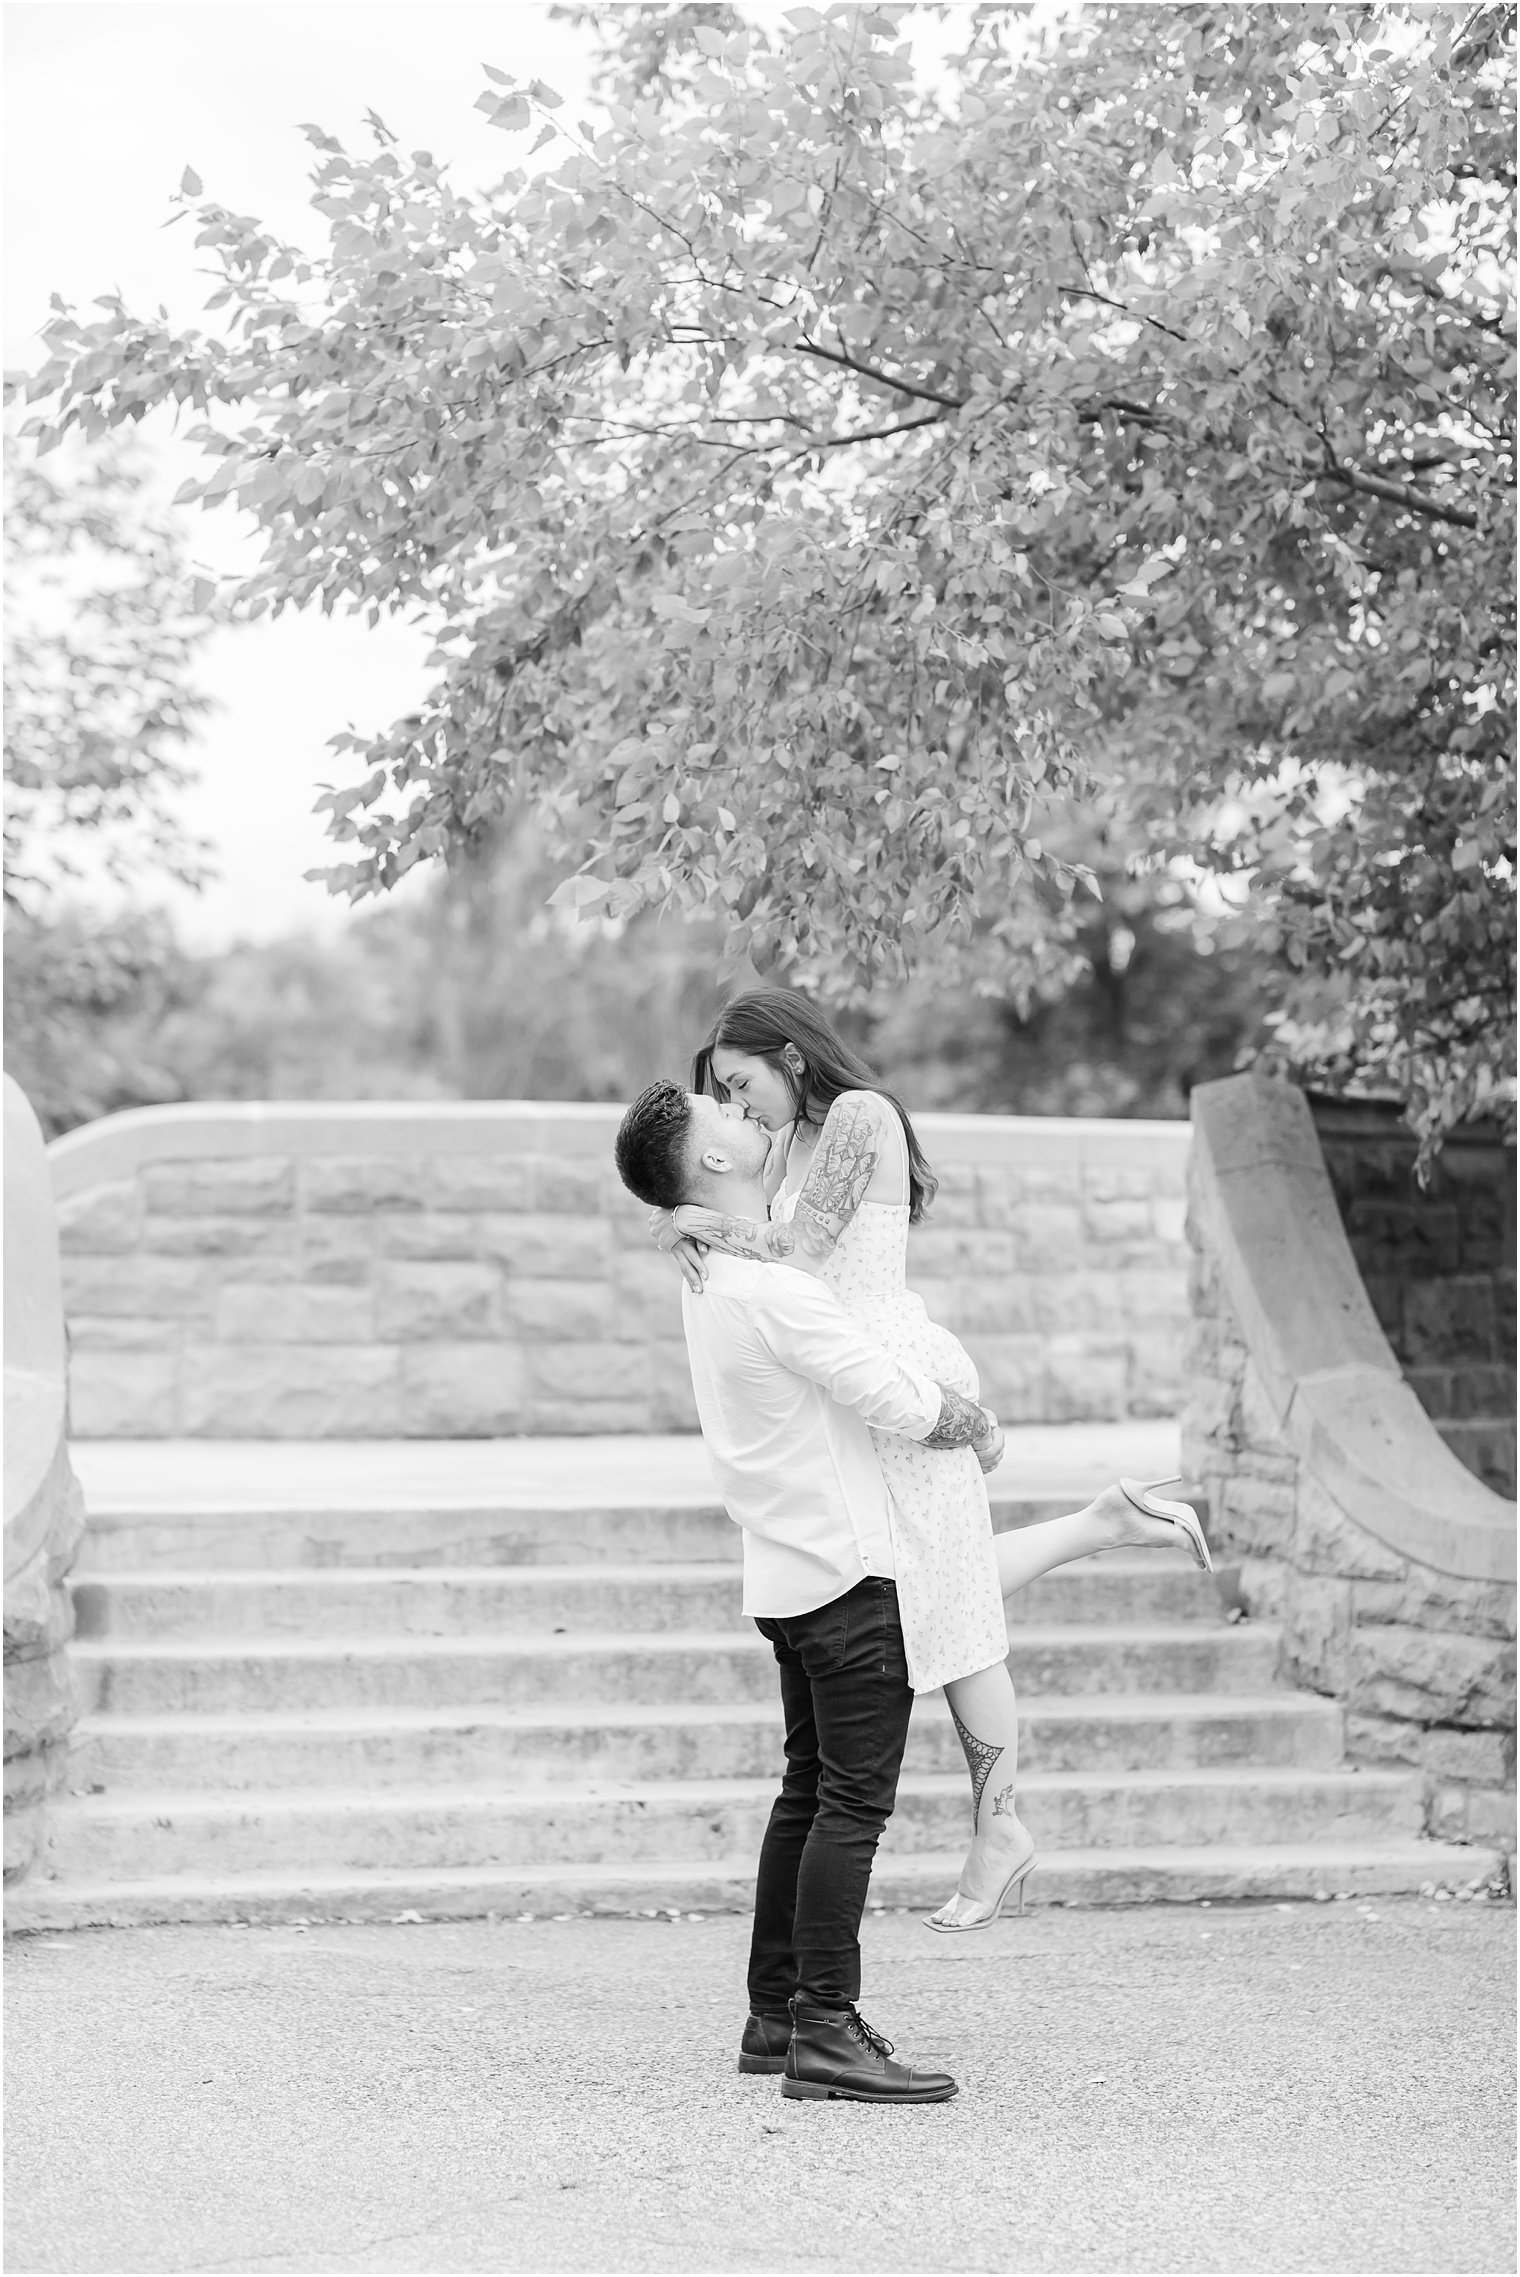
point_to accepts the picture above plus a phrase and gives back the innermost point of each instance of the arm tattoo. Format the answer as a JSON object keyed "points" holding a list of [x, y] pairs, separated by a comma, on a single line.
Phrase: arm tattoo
{"points": [[835, 1187], [749, 1237], [961, 1422]]}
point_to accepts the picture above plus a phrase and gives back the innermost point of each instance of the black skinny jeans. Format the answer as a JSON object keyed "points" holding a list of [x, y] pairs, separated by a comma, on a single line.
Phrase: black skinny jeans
{"points": [[846, 1698]]}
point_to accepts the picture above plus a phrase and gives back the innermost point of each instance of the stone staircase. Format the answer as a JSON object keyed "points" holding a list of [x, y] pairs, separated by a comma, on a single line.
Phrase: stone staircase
{"points": [[362, 1712]]}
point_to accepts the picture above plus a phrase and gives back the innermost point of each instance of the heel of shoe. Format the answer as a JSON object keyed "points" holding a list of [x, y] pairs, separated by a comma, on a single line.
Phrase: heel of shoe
{"points": [[762, 2063], [805, 2090]]}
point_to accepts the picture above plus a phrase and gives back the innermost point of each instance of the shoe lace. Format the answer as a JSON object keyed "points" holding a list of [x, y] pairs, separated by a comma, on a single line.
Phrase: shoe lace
{"points": [[868, 2039]]}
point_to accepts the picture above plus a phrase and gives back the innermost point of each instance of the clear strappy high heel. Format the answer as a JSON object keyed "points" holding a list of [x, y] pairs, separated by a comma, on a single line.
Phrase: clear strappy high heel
{"points": [[1142, 1493], [1016, 1880]]}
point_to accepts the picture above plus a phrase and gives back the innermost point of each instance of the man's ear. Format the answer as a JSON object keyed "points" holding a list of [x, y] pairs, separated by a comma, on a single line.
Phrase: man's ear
{"points": [[716, 1160]]}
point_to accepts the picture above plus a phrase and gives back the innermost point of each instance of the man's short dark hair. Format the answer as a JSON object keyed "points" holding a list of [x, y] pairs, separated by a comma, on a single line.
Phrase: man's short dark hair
{"points": [[651, 1147]]}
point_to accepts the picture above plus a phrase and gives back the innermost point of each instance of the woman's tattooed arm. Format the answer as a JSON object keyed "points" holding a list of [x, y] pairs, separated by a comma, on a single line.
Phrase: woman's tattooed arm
{"points": [[842, 1170], [961, 1422], [741, 1237]]}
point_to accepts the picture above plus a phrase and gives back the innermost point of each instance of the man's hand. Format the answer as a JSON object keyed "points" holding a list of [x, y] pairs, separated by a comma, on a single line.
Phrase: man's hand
{"points": [[963, 1424], [689, 1255], [989, 1451]]}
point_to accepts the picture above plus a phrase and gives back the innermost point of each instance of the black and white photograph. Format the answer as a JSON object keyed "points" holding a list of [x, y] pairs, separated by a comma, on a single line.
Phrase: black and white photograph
{"points": [[759, 1243]]}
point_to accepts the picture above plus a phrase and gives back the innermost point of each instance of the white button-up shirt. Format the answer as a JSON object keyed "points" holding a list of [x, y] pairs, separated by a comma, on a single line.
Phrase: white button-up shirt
{"points": [[786, 1384]]}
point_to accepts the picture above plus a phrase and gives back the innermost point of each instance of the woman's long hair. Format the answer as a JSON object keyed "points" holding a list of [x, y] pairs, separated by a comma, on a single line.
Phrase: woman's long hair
{"points": [[764, 1021]]}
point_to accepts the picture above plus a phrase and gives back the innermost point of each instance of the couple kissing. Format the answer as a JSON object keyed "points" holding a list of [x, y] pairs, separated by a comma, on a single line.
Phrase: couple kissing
{"points": [[849, 1446]]}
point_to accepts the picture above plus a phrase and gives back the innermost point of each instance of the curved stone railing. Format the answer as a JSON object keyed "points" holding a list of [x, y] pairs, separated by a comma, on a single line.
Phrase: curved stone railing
{"points": [[474, 1269], [44, 1510], [1391, 1567]]}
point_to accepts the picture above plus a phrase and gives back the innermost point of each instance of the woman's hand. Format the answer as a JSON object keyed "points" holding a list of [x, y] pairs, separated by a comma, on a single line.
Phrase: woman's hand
{"points": [[989, 1450], [689, 1255]]}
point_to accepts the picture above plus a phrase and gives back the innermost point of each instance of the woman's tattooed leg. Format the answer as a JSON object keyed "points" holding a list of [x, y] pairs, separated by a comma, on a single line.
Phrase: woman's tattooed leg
{"points": [[986, 1717]]}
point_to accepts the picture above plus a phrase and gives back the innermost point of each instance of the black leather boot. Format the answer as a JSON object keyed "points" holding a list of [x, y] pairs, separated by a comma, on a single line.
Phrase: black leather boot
{"points": [[765, 2042], [835, 2054]]}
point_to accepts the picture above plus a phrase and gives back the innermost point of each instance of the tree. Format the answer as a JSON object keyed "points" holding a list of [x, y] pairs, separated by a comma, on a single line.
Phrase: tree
{"points": [[814, 475], [104, 622]]}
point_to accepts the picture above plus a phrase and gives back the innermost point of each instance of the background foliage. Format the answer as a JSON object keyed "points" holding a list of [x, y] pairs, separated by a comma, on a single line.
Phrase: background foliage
{"points": [[822, 483]]}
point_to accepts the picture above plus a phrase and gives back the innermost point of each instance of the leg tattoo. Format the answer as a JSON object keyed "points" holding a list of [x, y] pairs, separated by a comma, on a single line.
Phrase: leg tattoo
{"points": [[980, 1757], [1002, 1805]]}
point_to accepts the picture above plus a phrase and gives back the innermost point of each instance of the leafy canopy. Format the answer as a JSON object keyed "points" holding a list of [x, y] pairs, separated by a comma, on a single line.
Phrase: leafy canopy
{"points": [[813, 473]]}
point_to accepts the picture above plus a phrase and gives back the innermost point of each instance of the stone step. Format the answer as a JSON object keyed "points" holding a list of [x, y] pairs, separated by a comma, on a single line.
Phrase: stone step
{"points": [[101, 1838], [547, 1600], [462, 1746], [143, 1539], [1120, 1876], [227, 1675]]}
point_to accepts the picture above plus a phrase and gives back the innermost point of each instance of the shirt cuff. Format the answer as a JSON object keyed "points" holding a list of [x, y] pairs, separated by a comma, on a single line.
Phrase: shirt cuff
{"points": [[933, 1404]]}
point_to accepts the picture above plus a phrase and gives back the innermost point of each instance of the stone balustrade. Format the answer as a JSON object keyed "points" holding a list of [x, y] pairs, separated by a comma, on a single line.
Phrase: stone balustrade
{"points": [[44, 1510], [475, 1270], [1390, 1566]]}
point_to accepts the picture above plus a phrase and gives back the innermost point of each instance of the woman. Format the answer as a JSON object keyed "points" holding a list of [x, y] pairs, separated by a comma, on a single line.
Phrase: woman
{"points": [[846, 1179]]}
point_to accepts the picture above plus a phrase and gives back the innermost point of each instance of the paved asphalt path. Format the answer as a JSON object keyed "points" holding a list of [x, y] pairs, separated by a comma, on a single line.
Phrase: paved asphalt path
{"points": [[1219, 2088]]}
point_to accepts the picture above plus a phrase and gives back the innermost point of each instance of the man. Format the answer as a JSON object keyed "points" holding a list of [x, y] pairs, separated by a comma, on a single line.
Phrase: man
{"points": [[786, 1387]]}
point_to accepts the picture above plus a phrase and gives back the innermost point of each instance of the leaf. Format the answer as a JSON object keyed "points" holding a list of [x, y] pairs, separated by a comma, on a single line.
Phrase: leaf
{"points": [[502, 78], [545, 95], [511, 113], [190, 183]]}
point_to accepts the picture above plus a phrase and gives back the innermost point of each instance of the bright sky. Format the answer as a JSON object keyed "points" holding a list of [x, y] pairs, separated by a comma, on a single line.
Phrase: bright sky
{"points": [[105, 105]]}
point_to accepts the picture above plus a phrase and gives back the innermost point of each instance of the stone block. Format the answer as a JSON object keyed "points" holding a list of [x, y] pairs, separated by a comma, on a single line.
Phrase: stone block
{"points": [[1157, 1372], [594, 1372], [1329, 1542], [643, 1295], [341, 1250], [103, 1221], [1048, 1238], [1384, 1739], [1210, 1410], [319, 1314], [1117, 1221], [421, 1233], [673, 1402], [1259, 1515], [1431, 1675], [1263, 1581], [1487, 1450], [997, 1195], [123, 1395], [462, 1391], [123, 1332], [1046, 1181], [1106, 1182], [1491, 1815], [23, 1840], [969, 1253], [1169, 1219], [558, 1311], [1484, 1758], [1259, 1424], [253, 1185], [417, 1303], [574, 1187], [957, 1205], [344, 1185], [542, 1247], [476, 1182], [1446, 1813], [266, 1248], [1084, 1381], [1482, 1390], [1432, 1387], [589, 1418], [41, 1704], [1451, 1320], [1150, 1297], [292, 1391], [173, 1288], [1425, 1599], [1065, 1303], [1317, 1636], [991, 1305], [39, 1618]]}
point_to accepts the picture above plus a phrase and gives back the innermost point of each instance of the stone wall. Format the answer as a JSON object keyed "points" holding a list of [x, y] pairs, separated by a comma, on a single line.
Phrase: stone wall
{"points": [[1438, 1264], [44, 1509], [468, 1270], [1390, 1568]]}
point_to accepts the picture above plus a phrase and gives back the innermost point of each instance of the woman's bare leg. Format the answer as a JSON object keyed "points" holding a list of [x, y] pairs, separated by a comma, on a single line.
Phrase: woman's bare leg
{"points": [[1111, 1522], [987, 1719]]}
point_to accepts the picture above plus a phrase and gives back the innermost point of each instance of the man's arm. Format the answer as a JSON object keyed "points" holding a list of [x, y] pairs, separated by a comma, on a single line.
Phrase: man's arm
{"points": [[807, 1330]]}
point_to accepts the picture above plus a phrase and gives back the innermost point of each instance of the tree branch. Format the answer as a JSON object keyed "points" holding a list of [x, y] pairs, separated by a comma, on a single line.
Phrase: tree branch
{"points": [[1398, 494], [882, 379]]}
